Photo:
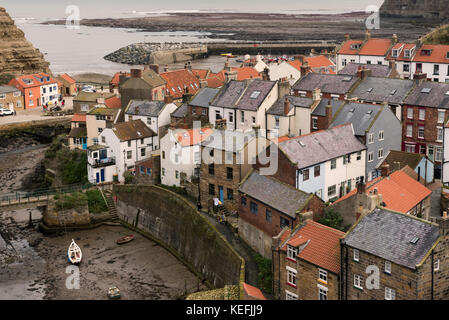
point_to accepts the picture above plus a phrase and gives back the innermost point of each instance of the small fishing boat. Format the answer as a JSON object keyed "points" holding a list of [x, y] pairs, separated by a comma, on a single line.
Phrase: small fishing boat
{"points": [[125, 239], [114, 293], [74, 253]]}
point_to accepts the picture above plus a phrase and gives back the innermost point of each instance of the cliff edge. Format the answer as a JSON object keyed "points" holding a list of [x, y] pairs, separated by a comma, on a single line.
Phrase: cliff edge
{"points": [[17, 55], [426, 9]]}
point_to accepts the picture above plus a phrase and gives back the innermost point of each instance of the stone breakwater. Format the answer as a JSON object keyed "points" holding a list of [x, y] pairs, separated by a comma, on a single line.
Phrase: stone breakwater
{"points": [[157, 53]]}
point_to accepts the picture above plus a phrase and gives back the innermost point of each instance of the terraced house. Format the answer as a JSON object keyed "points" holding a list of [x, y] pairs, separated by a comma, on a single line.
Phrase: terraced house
{"points": [[328, 163], [376, 127], [425, 112], [11, 98], [267, 206], [306, 263], [38, 89], [408, 255]]}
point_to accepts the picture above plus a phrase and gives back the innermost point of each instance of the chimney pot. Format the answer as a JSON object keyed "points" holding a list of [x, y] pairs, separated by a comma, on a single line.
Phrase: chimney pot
{"points": [[385, 170], [286, 106], [136, 73]]}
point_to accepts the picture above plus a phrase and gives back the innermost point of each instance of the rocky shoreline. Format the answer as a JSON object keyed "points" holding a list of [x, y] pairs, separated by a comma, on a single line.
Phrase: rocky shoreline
{"points": [[269, 27]]}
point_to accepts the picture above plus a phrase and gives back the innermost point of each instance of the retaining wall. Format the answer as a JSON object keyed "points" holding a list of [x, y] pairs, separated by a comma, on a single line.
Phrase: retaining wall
{"points": [[175, 223]]}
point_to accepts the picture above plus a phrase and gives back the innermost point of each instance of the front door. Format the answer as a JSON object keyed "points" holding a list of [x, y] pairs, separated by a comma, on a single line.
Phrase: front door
{"points": [[102, 175], [221, 193], [84, 142], [97, 177]]}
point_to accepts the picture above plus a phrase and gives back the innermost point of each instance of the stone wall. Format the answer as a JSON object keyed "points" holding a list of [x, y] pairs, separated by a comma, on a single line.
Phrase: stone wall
{"points": [[175, 223], [71, 217]]}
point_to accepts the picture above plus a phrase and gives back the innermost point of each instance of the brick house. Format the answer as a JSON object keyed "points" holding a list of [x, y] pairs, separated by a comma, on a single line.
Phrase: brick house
{"points": [[68, 85], [11, 98], [424, 114], [410, 255], [230, 161], [306, 263], [267, 205], [148, 171]]}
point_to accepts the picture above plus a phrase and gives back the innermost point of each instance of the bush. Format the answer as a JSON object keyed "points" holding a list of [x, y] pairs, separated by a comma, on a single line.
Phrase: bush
{"points": [[333, 219], [95, 201], [70, 201], [265, 274], [128, 177]]}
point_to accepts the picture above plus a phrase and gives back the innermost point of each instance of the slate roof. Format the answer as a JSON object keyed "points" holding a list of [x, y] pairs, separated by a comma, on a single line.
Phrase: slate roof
{"points": [[78, 132], [204, 97], [328, 83], [278, 107], [377, 70], [92, 96], [394, 157], [388, 235], [249, 100], [228, 140], [132, 130], [180, 112], [229, 94], [361, 115], [438, 97], [275, 193], [374, 89], [320, 109], [321, 146], [8, 89], [318, 244], [145, 108]]}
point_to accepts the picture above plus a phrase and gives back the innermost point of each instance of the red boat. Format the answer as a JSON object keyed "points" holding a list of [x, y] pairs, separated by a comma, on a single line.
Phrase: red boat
{"points": [[125, 239]]}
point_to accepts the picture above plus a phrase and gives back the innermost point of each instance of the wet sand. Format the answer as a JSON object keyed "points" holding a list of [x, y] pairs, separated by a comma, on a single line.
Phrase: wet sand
{"points": [[33, 266]]}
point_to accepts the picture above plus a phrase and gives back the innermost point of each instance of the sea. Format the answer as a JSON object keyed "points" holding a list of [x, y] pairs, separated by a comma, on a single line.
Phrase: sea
{"points": [[77, 51]]}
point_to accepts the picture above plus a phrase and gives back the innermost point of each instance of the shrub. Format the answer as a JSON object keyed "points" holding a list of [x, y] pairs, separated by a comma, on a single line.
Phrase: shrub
{"points": [[70, 201], [95, 201], [333, 219], [265, 275]]}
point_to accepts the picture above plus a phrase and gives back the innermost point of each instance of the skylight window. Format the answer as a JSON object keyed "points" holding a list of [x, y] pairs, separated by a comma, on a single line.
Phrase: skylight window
{"points": [[352, 110], [347, 79], [301, 144], [414, 240], [426, 52], [393, 92], [369, 112], [426, 90], [255, 94], [370, 89]]}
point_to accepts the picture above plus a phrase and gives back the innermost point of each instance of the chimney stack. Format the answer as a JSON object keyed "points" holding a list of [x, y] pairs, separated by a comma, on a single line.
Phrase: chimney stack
{"points": [[328, 114], [363, 73], [203, 83], [347, 37], [305, 69], [361, 188], [367, 35], [136, 73], [168, 98], [286, 106], [316, 94], [419, 78], [283, 87], [444, 224], [385, 170], [166, 68], [137, 110], [394, 38], [155, 68]]}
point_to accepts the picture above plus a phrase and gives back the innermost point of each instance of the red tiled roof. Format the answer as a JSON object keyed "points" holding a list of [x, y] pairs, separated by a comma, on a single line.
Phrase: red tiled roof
{"points": [[113, 102], [115, 81], [214, 82], [399, 191], [401, 57], [346, 47], [375, 47], [79, 117], [253, 291], [192, 137], [323, 247], [439, 54], [242, 74], [316, 63], [201, 73], [35, 80], [177, 80], [67, 78]]}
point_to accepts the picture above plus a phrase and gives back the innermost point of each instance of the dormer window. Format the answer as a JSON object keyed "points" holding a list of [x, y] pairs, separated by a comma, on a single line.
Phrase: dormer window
{"points": [[426, 52], [447, 55], [395, 53], [292, 252], [407, 53], [355, 46]]}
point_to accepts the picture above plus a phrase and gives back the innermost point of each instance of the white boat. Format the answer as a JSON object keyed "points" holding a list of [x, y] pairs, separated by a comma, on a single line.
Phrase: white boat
{"points": [[74, 253]]}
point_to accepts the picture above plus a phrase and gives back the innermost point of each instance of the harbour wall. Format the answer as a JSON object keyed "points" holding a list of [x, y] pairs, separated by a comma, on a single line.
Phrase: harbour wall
{"points": [[176, 224]]}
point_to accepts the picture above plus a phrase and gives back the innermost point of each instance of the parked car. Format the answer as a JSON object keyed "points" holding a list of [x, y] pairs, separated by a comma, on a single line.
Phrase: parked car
{"points": [[57, 108], [88, 88], [6, 112]]}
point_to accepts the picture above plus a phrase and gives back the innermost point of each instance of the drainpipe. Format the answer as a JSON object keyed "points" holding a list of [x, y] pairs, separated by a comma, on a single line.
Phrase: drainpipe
{"points": [[432, 266]]}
